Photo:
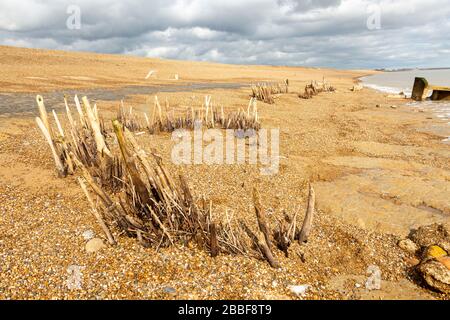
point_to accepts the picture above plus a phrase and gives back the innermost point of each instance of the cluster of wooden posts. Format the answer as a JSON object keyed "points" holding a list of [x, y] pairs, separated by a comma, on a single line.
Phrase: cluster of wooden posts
{"points": [[314, 88], [131, 192], [267, 91], [208, 115]]}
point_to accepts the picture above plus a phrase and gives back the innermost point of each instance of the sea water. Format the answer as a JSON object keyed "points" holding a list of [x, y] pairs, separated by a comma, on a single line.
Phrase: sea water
{"points": [[402, 81]]}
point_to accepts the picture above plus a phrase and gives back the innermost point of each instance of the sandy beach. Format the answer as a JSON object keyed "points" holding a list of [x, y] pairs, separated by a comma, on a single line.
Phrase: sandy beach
{"points": [[379, 169]]}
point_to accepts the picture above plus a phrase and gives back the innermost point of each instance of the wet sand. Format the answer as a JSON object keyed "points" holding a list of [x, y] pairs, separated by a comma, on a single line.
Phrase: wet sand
{"points": [[22, 104]]}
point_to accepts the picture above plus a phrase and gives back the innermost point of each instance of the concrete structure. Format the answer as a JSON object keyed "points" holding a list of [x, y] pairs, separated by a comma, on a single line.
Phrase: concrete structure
{"points": [[421, 90]]}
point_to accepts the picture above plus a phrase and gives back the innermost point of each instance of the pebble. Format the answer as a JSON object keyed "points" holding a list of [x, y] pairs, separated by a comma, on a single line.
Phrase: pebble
{"points": [[169, 290], [434, 252], [445, 261], [94, 245], [357, 87], [412, 261], [299, 290], [408, 245], [394, 107], [88, 235], [436, 275]]}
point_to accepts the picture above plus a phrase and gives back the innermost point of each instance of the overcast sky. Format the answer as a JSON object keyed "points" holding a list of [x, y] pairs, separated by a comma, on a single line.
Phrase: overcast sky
{"points": [[334, 33]]}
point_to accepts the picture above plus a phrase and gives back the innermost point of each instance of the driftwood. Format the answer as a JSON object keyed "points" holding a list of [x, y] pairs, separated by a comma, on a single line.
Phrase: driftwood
{"points": [[308, 221]]}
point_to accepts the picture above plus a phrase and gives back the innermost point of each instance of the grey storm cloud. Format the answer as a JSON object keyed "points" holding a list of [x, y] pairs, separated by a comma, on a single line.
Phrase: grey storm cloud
{"points": [[279, 32]]}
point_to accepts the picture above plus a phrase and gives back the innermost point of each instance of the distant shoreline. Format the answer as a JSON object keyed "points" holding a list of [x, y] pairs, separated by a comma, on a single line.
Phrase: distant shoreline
{"points": [[410, 69]]}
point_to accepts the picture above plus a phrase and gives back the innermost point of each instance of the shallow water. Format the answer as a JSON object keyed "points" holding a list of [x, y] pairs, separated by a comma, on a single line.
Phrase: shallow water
{"points": [[25, 103], [402, 81]]}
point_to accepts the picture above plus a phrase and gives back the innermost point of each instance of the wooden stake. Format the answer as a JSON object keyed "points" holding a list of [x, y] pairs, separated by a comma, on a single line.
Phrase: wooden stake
{"points": [[261, 217], [213, 240], [307, 223], [43, 114], [58, 124], [69, 113], [263, 236], [95, 126], [266, 251], [97, 215], [139, 185], [58, 163]]}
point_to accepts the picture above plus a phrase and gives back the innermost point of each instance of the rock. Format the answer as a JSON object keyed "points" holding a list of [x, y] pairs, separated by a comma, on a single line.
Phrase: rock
{"points": [[445, 261], [436, 275], [169, 290], [394, 107], [299, 290], [357, 87], [378, 106], [434, 252], [408, 246], [88, 235], [94, 245], [445, 245], [436, 233], [412, 261]]}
